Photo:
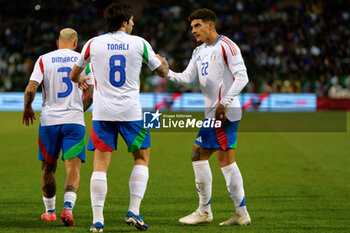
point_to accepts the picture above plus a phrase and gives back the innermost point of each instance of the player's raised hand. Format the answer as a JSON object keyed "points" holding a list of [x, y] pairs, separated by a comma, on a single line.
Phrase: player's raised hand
{"points": [[220, 113], [28, 115], [82, 84]]}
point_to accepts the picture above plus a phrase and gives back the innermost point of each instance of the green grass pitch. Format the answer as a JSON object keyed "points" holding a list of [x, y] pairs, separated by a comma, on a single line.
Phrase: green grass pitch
{"points": [[294, 182]]}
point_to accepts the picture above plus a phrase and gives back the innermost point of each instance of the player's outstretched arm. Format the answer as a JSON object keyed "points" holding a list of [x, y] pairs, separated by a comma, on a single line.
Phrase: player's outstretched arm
{"points": [[163, 69], [29, 95], [75, 73], [187, 76], [77, 78], [87, 101]]}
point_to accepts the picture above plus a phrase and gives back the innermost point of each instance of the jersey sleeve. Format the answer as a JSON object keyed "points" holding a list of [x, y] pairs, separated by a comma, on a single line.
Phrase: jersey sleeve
{"points": [[88, 72], [149, 56], [84, 58], [241, 79], [38, 71], [188, 75], [232, 55]]}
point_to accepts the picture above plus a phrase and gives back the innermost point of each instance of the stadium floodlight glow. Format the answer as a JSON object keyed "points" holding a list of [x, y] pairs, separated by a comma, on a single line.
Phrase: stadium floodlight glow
{"points": [[37, 7]]}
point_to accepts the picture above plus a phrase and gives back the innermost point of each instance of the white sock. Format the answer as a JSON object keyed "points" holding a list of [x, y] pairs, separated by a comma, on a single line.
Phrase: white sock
{"points": [[69, 200], [50, 204], [234, 183], [98, 191], [137, 185], [135, 202], [203, 179]]}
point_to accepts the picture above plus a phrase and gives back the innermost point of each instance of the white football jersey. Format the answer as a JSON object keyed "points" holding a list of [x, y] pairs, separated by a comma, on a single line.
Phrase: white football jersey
{"points": [[62, 99], [214, 67], [116, 61]]}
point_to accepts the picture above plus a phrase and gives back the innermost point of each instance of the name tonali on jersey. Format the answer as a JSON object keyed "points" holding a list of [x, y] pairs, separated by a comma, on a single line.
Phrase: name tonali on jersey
{"points": [[116, 60], [62, 99]]}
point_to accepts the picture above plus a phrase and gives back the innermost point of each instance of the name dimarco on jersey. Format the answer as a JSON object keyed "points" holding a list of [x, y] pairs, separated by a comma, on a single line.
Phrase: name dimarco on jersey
{"points": [[64, 59], [117, 46]]}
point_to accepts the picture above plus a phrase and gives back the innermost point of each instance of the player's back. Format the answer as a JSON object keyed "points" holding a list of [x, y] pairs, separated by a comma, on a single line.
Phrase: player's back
{"points": [[116, 60], [62, 99]]}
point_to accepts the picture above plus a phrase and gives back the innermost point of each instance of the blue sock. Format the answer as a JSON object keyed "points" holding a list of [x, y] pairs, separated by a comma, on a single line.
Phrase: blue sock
{"points": [[51, 211], [68, 205]]}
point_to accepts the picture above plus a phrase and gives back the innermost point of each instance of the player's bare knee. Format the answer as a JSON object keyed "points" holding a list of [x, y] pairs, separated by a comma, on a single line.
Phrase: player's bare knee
{"points": [[48, 167], [141, 157], [195, 153], [226, 157], [205, 153]]}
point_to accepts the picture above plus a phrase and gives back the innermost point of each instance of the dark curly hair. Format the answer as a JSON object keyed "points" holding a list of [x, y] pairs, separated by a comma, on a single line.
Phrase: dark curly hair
{"points": [[203, 14], [115, 14]]}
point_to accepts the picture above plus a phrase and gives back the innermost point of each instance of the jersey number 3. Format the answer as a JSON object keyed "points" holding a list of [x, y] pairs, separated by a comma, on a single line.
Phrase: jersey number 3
{"points": [[117, 68], [66, 80]]}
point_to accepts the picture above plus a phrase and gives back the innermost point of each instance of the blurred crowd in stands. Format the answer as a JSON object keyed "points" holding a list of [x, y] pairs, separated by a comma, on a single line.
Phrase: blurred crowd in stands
{"points": [[289, 46]]}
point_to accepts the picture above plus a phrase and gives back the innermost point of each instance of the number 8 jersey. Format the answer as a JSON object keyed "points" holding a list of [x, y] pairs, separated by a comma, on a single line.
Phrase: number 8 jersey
{"points": [[62, 99], [116, 61]]}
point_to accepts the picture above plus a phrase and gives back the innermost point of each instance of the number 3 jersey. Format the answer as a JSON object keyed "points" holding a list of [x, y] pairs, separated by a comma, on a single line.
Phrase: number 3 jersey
{"points": [[214, 66], [62, 99], [116, 61]]}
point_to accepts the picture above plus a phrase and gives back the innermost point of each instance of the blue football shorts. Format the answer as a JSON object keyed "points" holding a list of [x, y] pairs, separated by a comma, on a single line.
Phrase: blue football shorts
{"points": [[104, 135], [221, 138], [68, 137]]}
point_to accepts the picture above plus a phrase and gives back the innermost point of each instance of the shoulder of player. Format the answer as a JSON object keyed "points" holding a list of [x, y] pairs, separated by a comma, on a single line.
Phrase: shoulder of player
{"points": [[60, 52], [96, 38], [47, 56], [133, 39], [197, 50], [229, 45], [139, 39]]}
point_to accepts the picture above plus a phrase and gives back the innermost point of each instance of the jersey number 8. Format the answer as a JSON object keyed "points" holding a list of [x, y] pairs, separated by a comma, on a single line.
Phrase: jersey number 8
{"points": [[117, 68]]}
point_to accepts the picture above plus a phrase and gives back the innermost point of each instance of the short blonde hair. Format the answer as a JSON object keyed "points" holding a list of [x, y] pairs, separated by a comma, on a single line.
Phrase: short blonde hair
{"points": [[67, 34]]}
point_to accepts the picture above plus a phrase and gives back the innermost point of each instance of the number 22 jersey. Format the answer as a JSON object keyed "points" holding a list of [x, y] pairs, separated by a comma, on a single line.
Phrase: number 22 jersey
{"points": [[116, 61], [214, 67], [62, 99]]}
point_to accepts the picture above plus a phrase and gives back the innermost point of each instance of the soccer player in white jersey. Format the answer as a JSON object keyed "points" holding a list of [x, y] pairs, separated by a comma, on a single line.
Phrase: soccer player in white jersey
{"points": [[219, 67], [61, 122], [116, 60]]}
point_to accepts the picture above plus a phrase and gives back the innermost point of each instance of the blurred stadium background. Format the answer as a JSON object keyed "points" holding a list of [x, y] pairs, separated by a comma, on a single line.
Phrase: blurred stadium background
{"points": [[289, 46], [297, 54]]}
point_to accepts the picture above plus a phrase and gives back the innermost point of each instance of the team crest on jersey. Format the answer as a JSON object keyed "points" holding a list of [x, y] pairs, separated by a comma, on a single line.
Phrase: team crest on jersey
{"points": [[213, 56], [199, 58]]}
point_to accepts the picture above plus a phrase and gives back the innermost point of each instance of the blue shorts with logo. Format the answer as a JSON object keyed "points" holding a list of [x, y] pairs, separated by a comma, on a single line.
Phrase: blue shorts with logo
{"points": [[104, 135], [69, 137], [221, 138]]}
